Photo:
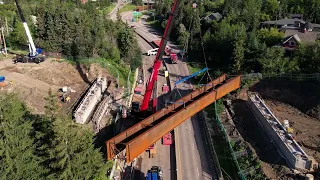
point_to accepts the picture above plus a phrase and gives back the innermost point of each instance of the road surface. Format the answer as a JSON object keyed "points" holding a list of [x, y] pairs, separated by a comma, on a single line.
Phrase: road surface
{"points": [[113, 13], [163, 153], [192, 162]]}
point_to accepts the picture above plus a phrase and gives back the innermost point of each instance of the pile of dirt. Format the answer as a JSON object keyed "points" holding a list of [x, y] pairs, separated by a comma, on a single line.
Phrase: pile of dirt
{"points": [[306, 128], [32, 81], [303, 95], [56, 73]]}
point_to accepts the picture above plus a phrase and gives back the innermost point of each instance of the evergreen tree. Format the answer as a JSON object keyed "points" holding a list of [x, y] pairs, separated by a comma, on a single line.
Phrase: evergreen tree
{"points": [[72, 155], [17, 151]]}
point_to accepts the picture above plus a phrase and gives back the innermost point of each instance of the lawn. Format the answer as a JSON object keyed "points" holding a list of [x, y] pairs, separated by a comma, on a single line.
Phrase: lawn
{"points": [[128, 7], [108, 9]]}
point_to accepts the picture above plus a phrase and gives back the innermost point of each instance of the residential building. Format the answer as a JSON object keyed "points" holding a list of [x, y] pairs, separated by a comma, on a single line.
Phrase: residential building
{"points": [[213, 17], [295, 31]]}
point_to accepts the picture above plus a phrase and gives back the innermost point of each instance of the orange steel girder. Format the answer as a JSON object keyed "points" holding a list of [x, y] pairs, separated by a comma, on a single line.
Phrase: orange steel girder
{"points": [[137, 145], [111, 144]]}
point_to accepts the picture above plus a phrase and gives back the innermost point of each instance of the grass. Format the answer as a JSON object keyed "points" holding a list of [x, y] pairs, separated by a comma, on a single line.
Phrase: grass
{"points": [[112, 67], [108, 9], [128, 7], [221, 145], [11, 53]]}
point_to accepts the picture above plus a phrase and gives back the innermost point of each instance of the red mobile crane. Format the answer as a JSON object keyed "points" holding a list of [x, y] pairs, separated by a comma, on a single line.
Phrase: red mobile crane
{"points": [[157, 62]]}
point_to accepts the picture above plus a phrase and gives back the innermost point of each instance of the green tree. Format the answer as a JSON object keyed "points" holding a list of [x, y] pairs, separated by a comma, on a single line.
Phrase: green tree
{"points": [[308, 57], [18, 159], [72, 155], [18, 36], [270, 37], [183, 35], [271, 7], [274, 62]]}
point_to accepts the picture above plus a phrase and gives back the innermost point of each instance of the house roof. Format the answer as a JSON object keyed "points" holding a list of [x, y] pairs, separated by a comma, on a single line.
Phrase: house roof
{"points": [[213, 16], [283, 22], [295, 36], [307, 37]]}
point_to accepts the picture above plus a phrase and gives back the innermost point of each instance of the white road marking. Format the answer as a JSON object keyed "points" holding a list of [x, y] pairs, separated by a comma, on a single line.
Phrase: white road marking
{"points": [[198, 171]]}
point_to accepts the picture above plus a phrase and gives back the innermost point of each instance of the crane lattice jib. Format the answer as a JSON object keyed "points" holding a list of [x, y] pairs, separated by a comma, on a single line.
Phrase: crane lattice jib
{"points": [[157, 63]]}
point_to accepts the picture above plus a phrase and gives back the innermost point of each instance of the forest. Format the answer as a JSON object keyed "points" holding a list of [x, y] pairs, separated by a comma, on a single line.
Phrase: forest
{"points": [[51, 145], [46, 146], [76, 30], [236, 44]]}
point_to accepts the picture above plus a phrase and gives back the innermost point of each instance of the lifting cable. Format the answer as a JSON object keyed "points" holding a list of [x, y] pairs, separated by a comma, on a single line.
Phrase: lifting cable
{"points": [[185, 50]]}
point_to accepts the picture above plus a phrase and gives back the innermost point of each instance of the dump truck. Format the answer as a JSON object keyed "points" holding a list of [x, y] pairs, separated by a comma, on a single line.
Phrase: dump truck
{"points": [[155, 173]]}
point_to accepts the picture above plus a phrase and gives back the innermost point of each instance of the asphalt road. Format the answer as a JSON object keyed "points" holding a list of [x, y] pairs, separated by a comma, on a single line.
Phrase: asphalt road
{"points": [[163, 153], [191, 159], [113, 13]]}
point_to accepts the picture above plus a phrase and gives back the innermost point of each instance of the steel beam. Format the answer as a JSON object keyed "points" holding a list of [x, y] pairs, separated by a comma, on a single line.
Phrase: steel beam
{"points": [[137, 145], [111, 144]]}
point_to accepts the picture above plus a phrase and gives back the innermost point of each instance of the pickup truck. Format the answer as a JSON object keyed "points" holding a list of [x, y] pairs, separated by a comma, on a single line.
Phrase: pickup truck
{"points": [[155, 173]]}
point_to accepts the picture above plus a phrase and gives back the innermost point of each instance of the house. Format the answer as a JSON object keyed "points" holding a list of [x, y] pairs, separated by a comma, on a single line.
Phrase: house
{"points": [[213, 17], [296, 31]]}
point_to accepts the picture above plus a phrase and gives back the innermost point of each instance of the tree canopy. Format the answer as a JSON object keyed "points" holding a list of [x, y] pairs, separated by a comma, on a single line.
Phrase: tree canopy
{"points": [[47, 146], [236, 44]]}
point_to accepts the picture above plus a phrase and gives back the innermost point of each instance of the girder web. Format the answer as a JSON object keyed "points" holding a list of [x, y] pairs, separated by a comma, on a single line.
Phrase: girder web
{"points": [[139, 137]]}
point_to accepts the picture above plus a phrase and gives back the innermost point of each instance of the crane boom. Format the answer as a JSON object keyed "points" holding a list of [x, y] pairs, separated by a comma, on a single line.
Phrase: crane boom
{"points": [[157, 63], [32, 47]]}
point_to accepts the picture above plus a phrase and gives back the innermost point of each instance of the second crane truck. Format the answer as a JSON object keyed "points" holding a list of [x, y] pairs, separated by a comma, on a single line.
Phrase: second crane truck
{"points": [[34, 53]]}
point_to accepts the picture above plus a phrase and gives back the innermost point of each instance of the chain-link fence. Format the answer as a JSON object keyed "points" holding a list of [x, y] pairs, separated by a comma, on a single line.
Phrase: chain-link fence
{"points": [[279, 76], [223, 132]]}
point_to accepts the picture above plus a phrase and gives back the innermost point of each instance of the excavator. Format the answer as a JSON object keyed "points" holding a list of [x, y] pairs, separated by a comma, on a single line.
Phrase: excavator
{"points": [[34, 53]]}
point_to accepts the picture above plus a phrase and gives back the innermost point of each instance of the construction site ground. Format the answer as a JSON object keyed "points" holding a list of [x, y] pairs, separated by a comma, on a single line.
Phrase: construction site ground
{"points": [[296, 101], [32, 81]]}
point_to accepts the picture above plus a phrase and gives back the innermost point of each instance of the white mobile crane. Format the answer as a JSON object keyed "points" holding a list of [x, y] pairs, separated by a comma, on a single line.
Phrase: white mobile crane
{"points": [[33, 55]]}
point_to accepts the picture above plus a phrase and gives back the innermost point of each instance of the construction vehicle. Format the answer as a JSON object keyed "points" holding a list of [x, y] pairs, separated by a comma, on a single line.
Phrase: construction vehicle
{"points": [[167, 139], [155, 173], [157, 63], [165, 88], [174, 58], [34, 53], [151, 150], [152, 52]]}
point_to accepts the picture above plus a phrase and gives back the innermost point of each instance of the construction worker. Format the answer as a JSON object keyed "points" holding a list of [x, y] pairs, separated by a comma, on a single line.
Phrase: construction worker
{"points": [[12, 83], [68, 99]]}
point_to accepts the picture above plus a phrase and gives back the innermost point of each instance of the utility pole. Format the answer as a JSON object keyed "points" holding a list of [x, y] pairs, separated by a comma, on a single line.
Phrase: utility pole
{"points": [[4, 43]]}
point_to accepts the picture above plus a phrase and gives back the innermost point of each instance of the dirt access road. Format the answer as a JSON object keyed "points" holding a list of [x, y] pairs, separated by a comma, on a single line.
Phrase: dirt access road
{"points": [[32, 81]]}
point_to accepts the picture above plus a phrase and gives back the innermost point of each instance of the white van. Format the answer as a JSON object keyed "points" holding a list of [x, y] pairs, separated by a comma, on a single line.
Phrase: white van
{"points": [[152, 52]]}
